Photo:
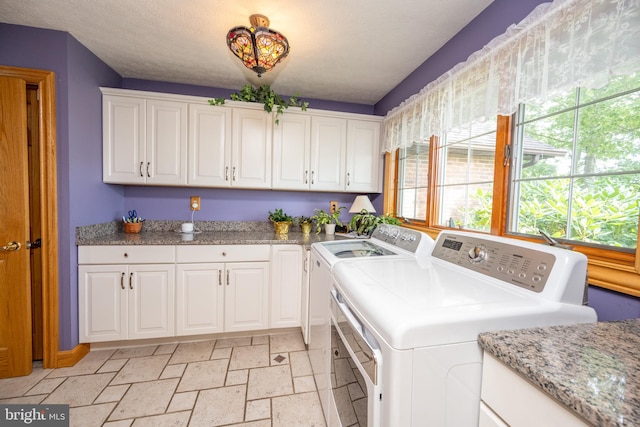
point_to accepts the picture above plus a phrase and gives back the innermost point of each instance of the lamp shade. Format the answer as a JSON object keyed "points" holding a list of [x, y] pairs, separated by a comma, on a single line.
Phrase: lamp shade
{"points": [[360, 203], [258, 47]]}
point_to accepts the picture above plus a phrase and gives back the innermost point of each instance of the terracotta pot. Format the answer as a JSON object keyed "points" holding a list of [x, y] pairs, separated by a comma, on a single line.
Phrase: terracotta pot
{"points": [[132, 227]]}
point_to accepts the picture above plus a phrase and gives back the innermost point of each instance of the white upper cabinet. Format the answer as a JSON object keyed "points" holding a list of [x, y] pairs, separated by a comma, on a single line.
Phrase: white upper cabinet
{"points": [[328, 153], [251, 148], [209, 145], [292, 152], [144, 140], [364, 160]]}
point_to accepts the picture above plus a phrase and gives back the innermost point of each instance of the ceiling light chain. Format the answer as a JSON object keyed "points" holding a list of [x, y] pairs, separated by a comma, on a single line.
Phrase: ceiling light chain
{"points": [[258, 47]]}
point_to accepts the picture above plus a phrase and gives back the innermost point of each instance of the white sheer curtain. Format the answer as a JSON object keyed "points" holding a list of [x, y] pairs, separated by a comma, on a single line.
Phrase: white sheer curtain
{"points": [[560, 45]]}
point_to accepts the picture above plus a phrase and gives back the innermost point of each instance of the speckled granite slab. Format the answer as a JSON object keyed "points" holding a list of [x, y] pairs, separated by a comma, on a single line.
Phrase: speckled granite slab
{"points": [[211, 233], [593, 369]]}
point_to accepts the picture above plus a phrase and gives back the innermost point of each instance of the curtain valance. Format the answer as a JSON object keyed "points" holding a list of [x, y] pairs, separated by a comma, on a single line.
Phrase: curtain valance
{"points": [[560, 45]]}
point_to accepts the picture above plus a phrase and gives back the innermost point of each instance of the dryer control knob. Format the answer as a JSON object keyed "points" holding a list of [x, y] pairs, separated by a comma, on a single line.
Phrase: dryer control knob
{"points": [[478, 254]]}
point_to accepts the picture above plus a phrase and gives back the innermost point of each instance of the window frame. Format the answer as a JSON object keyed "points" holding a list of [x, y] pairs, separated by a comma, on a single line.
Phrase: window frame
{"points": [[609, 269]]}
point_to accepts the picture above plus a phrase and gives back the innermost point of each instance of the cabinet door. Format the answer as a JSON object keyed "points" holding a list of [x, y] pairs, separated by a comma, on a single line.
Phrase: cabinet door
{"points": [[102, 303], [292, 152], [151, 300], [199, 299], [251, 148], [166, 142], [328, 152], [304, 309], [286, 286], [246, 296], [123, 140], [209, 145], [363, 157]]}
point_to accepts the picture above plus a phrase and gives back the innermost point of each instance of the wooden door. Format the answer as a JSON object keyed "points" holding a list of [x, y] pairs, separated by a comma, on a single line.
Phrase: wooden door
{"points": [[15, 294]]}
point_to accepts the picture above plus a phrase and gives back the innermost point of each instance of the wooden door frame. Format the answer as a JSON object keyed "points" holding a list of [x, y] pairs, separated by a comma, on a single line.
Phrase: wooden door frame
{"points": [[45, 80]]}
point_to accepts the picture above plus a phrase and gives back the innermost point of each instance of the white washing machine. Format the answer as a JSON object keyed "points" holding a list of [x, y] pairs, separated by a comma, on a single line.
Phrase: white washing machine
{"points": [[404, 348]]}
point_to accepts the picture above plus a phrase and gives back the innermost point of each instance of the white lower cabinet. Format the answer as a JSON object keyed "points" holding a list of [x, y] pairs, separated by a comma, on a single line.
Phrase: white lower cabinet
{"points": [[199, 299], [119, 302], [286, 285], [510, 400]]}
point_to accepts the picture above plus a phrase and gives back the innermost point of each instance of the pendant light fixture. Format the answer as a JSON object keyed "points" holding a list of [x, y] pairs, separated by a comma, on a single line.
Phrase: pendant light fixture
{"points": [[258, 47]]}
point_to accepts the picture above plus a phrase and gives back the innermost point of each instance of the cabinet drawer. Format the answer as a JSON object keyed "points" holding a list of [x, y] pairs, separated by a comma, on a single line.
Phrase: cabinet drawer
{"points": [[119, 254], [222, 253]]}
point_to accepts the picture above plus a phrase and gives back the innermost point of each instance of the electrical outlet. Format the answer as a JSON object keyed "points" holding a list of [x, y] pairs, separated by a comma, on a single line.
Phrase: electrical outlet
{"points": [[333, 206], [194, 203]]}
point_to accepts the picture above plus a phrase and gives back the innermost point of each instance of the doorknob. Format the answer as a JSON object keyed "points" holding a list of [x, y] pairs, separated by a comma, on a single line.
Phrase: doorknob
{"points": [[11, 246]]}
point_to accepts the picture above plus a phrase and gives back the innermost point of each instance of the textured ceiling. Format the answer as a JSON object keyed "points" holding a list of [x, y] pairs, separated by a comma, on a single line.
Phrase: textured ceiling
{"points": [[341, 50]]}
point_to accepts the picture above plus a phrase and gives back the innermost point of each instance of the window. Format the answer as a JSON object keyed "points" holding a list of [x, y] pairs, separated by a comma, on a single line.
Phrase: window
{"points": [[413, 182], [576, 166], [465, 172]]}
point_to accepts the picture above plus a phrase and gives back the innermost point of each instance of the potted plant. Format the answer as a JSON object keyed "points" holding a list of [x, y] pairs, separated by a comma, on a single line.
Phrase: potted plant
{"points": [[281, 221], [364, 223], [266, 96], [305, 223], [329, 220]]}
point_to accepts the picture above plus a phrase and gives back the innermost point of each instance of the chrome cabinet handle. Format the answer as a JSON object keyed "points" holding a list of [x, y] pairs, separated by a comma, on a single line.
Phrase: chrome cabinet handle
{"points": [[12, 246], [122, 280], [130, 279], [227, 277], [219, 277], [141, 163], [348, 178], [313, 179], [306, 177], [234, 173], [226, 173], [148, 175]]}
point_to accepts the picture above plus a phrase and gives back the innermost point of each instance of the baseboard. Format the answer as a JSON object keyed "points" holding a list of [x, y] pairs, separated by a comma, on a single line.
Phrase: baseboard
{"points": [[68, 358]]}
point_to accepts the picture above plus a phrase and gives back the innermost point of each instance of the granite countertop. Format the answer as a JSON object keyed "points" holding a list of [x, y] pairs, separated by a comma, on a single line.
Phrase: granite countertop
{"points": [[593, 369], [211, 233]]}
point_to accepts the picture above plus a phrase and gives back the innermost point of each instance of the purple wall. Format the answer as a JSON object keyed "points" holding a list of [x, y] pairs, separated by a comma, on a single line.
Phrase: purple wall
{"points": [[83, 199]]}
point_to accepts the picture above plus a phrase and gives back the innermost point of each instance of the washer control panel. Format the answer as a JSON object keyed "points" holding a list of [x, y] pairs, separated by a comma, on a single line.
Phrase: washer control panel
{"points": [[524, 267], [401, 237]]}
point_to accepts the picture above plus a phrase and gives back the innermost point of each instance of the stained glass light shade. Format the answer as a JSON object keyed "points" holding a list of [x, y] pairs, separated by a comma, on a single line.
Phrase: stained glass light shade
{"points": [[258, 47]]}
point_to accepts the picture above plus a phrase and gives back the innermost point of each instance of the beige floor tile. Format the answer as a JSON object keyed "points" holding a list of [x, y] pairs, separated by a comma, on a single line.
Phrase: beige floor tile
{"points": [[45, 386], [88, 365], [120, 423], [219, 406], [203, 375], [15, 387], [192, 352], [173, 371], [260, 339], [261, 423], [269, 382], [233, 342], [25, 400], [166, 349], [144, 399], [93, 415], [127, 353], [253, 356], [304, 384], [300, 365], [283, 343], [297, 410], [221, 353], [237, 377], [177, 419], [141, 369], [183, 401], [112, 365], [81, 390], [112, 393], [258, 410]]}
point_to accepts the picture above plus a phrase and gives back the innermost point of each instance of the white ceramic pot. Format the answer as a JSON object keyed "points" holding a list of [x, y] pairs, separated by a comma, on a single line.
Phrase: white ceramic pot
{"points": [[329, 228]]}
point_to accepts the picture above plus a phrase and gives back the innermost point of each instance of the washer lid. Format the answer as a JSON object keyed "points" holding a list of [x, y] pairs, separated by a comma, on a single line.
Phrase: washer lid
{"points": [[414, 305]]}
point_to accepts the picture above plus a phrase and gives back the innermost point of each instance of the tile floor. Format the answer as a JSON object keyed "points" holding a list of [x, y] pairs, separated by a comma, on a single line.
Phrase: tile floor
{"points": [[256, 381]]}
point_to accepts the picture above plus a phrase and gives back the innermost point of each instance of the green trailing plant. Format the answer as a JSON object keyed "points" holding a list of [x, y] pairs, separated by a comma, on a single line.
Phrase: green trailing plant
{"points": [[365, 222], [266, 96], [321, 217], [279, 216], [303, 220]]}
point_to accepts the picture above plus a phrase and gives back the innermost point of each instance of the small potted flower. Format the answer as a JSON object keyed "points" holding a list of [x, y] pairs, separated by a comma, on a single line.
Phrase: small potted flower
{"points": [[305, 223], [329, 220], [281, 221]]}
